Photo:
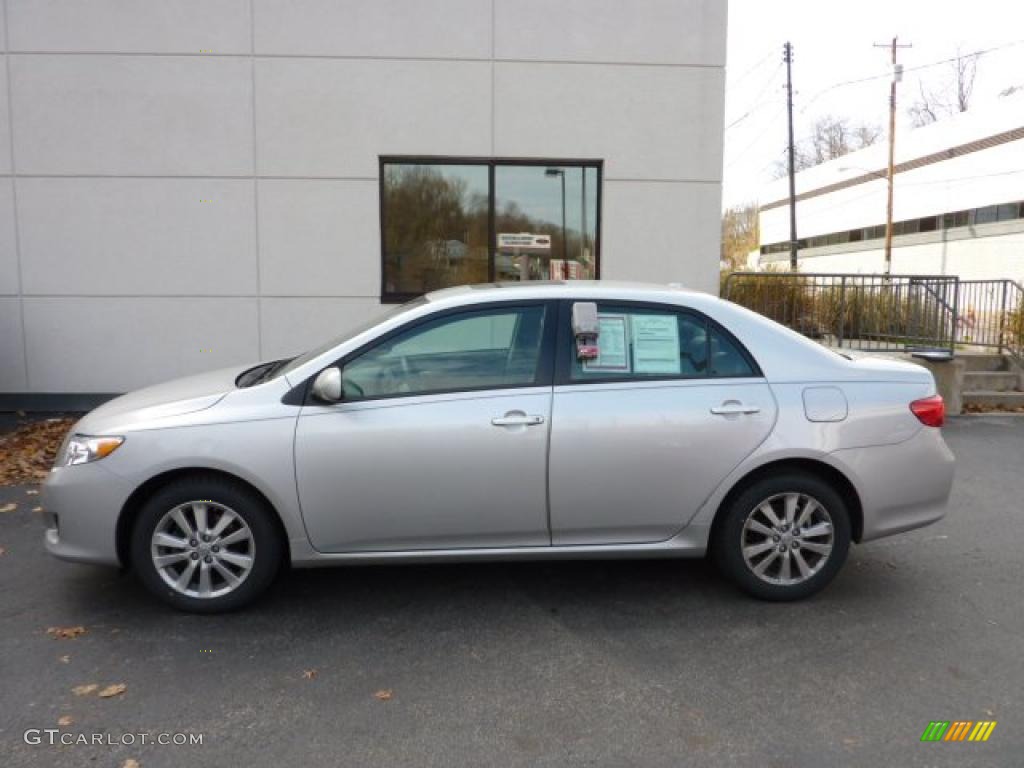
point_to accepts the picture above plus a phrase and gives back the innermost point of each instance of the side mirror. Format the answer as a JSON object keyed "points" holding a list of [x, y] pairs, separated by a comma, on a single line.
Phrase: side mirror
{"points": [[327, 385]]}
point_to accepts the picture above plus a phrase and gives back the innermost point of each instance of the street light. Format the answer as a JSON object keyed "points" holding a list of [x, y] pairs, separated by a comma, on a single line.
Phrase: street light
{"points": [[551, 173], [887, 175]]}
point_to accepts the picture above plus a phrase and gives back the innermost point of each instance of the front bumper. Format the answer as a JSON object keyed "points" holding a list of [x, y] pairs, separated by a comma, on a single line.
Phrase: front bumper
{"points": [[81, 505], [902, 486]]}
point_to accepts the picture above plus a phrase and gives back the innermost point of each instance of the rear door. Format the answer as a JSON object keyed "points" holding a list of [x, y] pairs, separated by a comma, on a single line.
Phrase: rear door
{"points": [[642, 435]]}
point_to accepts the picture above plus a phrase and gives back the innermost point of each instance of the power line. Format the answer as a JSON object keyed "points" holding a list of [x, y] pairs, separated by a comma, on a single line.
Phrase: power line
{"points": [[757, 139], [914, 68], [751, 69], [758, 104]]}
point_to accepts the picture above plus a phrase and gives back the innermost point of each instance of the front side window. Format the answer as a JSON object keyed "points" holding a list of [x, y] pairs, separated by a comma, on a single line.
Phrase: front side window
{"points": [[451, 222], [486, 349], [641, 343]]}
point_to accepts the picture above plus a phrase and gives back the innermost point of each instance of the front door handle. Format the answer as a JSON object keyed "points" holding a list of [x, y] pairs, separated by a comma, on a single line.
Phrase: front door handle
{"points": [[517, 419], [732, 407]]}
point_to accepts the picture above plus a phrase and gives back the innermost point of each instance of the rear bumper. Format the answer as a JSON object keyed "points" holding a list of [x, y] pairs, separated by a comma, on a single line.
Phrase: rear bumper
{"points": [[903, 486], [81, 505]]}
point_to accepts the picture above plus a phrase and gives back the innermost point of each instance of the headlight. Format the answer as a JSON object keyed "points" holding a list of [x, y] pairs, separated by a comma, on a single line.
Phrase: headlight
{"points": [[81, 449]]}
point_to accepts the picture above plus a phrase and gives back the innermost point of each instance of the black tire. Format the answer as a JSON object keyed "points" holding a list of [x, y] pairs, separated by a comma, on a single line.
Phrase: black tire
{"points": [[730, 538], [264, 543]]}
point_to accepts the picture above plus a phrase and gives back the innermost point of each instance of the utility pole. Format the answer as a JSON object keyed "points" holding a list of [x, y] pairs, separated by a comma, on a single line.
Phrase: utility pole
{"points": [[897, 75], [787, 56]]}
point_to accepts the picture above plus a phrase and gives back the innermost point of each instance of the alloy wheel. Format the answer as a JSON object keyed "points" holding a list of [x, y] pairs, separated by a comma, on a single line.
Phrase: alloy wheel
{"points": [[787, 538], [202, 549]]}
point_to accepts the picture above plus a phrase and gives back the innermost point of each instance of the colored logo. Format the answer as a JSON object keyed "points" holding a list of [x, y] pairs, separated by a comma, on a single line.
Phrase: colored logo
{"points": [[958, 730]]}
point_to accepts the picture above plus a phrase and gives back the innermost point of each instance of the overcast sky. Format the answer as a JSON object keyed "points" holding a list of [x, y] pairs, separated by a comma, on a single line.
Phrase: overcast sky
{"points": [[832, 43]]}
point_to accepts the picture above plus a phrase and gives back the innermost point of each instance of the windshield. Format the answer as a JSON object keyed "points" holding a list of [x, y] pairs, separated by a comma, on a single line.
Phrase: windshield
{"points": [[364, 326]]}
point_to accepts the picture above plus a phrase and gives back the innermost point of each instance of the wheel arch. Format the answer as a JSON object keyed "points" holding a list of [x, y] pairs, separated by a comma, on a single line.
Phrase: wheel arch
{"points": [[130, 509], [820, 469]]}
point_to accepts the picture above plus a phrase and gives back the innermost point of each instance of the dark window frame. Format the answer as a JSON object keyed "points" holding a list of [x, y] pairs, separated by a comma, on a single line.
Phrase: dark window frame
{"points": [[392, 297], [564, 345]]}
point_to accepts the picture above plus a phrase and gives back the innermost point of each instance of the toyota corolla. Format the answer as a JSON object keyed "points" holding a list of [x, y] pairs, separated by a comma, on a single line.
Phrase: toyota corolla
{"points": [[526, 421]]}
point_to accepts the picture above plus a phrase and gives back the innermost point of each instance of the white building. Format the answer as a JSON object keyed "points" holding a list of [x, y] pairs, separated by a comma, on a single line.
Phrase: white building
{"points": [[200, 183], [958, 203]]}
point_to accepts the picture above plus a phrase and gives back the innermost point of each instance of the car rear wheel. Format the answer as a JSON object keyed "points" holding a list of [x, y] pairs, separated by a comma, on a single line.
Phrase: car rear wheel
{"points": [[206, 544], [784, 537]]}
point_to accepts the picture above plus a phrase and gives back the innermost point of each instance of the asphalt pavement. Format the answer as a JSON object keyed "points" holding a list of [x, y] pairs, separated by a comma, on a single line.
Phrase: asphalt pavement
{"points": [[604, 663]]}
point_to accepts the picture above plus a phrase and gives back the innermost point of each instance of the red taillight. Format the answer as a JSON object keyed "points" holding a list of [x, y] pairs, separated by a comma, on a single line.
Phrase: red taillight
{"points": [[930, 411]]}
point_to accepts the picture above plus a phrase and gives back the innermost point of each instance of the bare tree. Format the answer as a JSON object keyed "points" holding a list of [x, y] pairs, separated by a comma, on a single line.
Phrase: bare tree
{"points": [[740, 234], [951, 96], [831, 137]]}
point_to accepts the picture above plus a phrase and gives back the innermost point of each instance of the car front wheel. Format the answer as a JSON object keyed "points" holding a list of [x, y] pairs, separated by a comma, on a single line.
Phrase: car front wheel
{"points": [[206, 544], [784, 537]]}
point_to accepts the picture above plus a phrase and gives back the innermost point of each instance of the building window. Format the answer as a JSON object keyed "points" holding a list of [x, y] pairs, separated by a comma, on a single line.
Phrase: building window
{"points": [[447, 222]]}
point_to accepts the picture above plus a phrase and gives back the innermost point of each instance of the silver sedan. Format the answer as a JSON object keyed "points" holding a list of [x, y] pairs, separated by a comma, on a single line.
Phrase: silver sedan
{"points": [[526, 421]]}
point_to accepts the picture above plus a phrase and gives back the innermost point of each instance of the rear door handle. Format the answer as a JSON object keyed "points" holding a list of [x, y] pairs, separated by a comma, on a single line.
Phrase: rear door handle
{"points": [[732, 407], [517, 419]]}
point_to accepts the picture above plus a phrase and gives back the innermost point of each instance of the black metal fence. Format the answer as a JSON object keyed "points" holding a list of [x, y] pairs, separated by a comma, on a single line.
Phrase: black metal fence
{"points": [[870, 312], [991, 314]]}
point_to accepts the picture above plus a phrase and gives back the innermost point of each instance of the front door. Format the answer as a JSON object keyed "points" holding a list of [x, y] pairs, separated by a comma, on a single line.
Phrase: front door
{"points": [[643, 434], [440, 441]]}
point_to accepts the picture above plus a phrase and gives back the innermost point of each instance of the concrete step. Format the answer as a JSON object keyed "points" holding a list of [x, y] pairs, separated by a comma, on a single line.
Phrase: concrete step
{"points": [[983, 361], [991, 381], [991, 399]]}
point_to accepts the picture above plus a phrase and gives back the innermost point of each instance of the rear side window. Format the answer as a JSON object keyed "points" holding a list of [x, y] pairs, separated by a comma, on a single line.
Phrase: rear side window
{"points": [[649, 343], [725, 359]]}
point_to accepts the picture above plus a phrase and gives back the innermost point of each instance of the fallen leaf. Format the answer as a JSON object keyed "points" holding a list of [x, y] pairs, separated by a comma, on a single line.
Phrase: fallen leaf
{"points": [[131, 762], [8, 507], [66, 633], [27, 453], [65, 720], [383, 695], [64, 659], [113, 690], [308, 674], [84, 690]]}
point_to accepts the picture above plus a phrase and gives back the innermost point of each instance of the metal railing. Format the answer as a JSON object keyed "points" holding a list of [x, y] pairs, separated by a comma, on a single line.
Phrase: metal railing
{"points": [[869, 312], [992, 315]]}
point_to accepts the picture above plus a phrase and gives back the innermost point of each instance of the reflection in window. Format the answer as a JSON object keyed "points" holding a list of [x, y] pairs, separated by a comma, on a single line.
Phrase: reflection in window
{"points": [[435, 226], [546, 221], [456, 223]]}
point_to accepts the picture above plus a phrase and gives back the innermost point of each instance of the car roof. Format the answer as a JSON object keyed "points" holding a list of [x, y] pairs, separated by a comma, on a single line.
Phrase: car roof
{"points": [[557, 289]]}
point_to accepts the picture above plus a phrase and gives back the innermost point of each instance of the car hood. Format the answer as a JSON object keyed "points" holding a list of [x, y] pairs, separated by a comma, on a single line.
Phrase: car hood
{"points": [[172, 398]]}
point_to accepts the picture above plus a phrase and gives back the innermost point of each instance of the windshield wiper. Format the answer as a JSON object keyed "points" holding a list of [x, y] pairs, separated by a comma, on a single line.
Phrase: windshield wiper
{"points": [[260, 373]]}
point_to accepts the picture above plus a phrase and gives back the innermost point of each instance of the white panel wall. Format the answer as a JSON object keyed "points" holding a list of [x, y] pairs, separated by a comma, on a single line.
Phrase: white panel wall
{"points": [[132, 115], [655, 231], [9, 285], [181, 26], [339, 227], [131, 237], [451, 29], [5, 121], [355, 110], [195, 183], [687, 32]]}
